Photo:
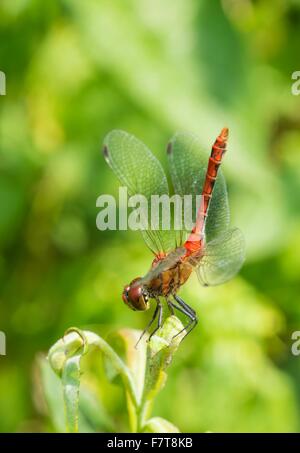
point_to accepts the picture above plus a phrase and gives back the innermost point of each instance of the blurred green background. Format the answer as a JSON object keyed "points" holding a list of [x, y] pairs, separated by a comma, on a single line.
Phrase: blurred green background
{"points": [[76, 70]]}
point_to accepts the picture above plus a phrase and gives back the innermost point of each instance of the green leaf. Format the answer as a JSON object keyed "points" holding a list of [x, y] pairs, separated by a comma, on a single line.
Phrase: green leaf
{"points": [[142, 371], [71, 384], [64, 357], [92, 415], [160, 351], [159, 425], [124, 342], [70, 345], [53, 394]]}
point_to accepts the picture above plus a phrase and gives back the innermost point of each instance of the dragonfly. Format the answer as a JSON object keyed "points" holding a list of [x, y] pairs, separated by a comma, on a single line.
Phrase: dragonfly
{"points": [[212, 249]]}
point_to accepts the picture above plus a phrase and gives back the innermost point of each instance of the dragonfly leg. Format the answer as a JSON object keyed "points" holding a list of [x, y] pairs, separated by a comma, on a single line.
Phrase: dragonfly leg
{"points": [[149, 324], [188, 311], [184, 305], [159, 321], [171, 308]]}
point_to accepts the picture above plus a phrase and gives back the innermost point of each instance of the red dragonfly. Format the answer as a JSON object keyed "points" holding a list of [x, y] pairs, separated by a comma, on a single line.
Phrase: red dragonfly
{"points": [[213, 249]]}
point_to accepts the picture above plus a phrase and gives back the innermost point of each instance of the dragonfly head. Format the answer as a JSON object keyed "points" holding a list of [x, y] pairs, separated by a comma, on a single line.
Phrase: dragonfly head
{"points": [[135, 296]]}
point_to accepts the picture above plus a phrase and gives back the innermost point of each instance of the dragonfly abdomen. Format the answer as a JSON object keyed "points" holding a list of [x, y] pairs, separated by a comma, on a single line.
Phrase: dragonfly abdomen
{"points": [[214, 162], [196, 238]]}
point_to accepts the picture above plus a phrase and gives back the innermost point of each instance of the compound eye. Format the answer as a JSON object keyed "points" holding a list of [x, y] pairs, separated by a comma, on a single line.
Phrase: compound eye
{"points": [[134, 294], [135, 297], [125, 294]]}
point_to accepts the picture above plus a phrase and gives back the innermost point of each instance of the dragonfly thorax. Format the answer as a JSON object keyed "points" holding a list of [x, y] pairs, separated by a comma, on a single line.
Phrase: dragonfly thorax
{"points": [[135, 296]]}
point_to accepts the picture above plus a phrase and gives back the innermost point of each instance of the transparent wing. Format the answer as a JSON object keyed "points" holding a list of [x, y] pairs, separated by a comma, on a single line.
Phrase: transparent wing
{"points": [[223, 257], [138, 169], [188, 164]]}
